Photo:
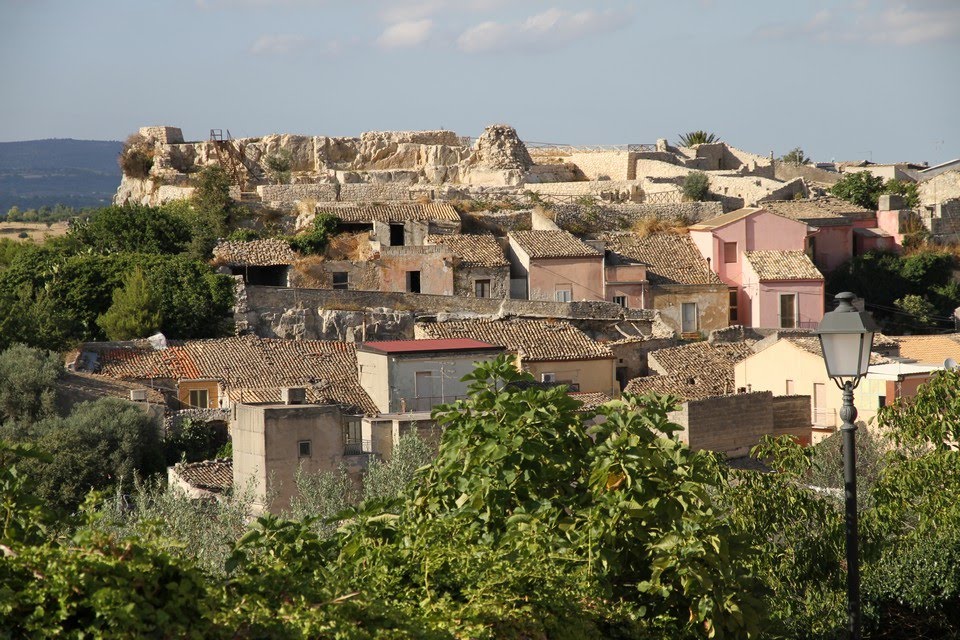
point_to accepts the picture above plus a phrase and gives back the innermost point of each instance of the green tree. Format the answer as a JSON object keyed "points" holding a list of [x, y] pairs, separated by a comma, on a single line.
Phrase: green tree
{"points": [[795, 156], [132, 229], [905, 188], [27, 380], [98, 446], [193, 441], [859, 187], [920, 311], [696, 186], [278, 165], [693, 138], [135, 312], [314, 240], [212, 211]]}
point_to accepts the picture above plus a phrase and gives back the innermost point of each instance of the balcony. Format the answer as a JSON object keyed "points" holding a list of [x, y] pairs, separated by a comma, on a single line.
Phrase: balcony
{"points": [[353, 447]]}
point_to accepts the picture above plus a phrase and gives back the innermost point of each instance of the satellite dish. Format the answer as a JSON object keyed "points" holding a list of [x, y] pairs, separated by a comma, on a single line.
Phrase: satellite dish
{"points": [[949, 363]]}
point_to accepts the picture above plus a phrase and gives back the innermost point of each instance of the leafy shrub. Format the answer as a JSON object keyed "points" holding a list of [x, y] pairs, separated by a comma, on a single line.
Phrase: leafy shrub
{"points": [[27, 379], [193, 441], [278, 165], [795, 156], [696, 186], [135, 312], [693, 138], [859, 187], [244, 235], [136, 158], [314, 240]]}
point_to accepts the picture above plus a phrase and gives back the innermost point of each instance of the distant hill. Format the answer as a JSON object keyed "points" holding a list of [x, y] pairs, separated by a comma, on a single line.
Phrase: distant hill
{"points": [[76, 173]]}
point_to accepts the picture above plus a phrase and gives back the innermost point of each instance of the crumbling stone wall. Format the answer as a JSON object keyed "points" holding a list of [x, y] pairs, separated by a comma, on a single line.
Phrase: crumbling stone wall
{"points": [[606, 165]]}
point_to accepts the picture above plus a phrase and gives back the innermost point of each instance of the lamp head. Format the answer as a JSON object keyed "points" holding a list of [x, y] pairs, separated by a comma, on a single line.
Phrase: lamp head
{"points": [[846, 338]]}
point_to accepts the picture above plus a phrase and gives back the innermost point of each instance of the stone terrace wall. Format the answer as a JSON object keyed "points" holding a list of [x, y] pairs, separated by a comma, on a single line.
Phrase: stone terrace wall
{"points": [[613, 217], [373, 192], [786, 172], [328, 314], [605, 165], [290, 193], [791, 416], [728, 424]]}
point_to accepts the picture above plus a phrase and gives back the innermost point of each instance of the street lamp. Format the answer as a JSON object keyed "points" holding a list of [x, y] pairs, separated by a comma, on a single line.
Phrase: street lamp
{"points": [[846, 338]]}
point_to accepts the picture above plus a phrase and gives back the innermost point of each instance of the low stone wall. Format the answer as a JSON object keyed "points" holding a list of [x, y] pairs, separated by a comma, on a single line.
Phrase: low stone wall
{"points": [[615, 217], [334, 314], [786, 172], [373, 192], [605, 165], [791, 416], [291, 193], [727, 424]]}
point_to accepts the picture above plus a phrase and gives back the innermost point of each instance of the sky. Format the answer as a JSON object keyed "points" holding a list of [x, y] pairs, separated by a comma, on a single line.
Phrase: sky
{"points": [[843, 79]]}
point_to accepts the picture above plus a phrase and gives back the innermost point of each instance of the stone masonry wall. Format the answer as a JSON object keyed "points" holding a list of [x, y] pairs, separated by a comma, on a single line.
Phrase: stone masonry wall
{"points": [[605, 165], [791, 416], [728, 424], [291, 193], [614, 217]]}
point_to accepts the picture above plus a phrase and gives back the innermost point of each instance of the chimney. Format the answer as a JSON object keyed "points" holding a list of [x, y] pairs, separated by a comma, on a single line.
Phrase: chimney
{"points": [[293, 395], [891, 202]]}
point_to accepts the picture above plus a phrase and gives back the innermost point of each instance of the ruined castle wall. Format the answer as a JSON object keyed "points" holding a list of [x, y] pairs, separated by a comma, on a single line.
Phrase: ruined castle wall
{"points": [[605, 165]]}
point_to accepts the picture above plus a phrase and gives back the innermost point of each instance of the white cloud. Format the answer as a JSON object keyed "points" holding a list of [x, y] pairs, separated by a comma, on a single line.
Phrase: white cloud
{"points": [[890, 23], [548, 30], [410, 11], [405, 34], [278, 44]]}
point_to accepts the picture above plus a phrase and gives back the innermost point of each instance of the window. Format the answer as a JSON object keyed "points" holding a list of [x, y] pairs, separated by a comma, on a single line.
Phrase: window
{"points": [[729, 252], [396, 235], [734, 311], [341, 280], [303, 449], [481, 288], [881, 402], [620, 300], [413, 281], [788, 311], [688, 317], [789, 387], [199, 398], [564, 293]]}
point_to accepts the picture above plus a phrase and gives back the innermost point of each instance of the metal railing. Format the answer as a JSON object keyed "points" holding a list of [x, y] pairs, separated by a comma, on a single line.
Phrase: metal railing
{"points": [[824, 417], [426, 403], [353, 447]]}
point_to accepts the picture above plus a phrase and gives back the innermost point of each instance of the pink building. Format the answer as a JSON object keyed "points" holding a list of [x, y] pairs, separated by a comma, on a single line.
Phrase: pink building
{"points": [[554, 265], [783, 289], [755, 295]]}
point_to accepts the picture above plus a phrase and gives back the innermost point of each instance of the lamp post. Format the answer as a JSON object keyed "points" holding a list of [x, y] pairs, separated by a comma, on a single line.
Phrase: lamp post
{"points": [[846, 338]]}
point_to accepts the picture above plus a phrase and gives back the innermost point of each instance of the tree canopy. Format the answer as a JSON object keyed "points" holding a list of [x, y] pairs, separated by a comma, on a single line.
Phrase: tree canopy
{"points": [[692, 138]]}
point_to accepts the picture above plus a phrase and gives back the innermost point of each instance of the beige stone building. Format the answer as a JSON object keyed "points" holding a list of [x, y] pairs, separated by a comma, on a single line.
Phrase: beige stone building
{"points": [[793, 365], [416, 375], [556, 266], [480, 268], [691, 298], [552, 351]]}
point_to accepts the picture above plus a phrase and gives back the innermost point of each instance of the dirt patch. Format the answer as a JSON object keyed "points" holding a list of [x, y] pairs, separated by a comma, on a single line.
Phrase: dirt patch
{"points": [[32, 231]]}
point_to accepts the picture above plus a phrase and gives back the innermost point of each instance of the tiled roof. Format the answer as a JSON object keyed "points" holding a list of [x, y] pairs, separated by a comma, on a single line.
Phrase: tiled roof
{"points": [[811, 344], [590, 400], [533, 340], [552, 244], [819, 211], [702, 358], [392, 212], [672, 257], [683, 386], [255, 253], [426, 345], [930, 349], [215, 476], [473, 250], [783, 265], [84, 386], [725, 219], [245, 362]]}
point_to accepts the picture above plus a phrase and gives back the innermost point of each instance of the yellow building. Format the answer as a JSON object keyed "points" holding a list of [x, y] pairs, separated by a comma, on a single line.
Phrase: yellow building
{"points": [[794, 365]]}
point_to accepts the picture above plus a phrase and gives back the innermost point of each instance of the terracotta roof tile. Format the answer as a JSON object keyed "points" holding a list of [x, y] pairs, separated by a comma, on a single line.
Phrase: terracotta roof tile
{"points": [[811, 344], [552, 244], [591, 400], [215, 476], [255, 253], [683, 386], [783, 265], [392, 212], [672, 258], [246, 362], [819, 211], [930, 349], [534, 340], [701, 357], [473, 250]]}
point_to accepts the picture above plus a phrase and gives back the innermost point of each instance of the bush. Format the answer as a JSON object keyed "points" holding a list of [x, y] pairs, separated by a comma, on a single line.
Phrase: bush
{"points": [[135, 312], [696, 186], [278, 165], [693, 138], [314, 240], [136, 158], [860, 187], [27, 379]]}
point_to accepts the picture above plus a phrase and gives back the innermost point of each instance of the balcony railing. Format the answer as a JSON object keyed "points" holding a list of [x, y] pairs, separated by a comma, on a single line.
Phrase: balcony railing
{"points": [[824, 417], [357, 447], [427, 403]]}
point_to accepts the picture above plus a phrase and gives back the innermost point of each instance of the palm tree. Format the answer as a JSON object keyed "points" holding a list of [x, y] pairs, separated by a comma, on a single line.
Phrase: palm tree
{"points": [[692, 138]]}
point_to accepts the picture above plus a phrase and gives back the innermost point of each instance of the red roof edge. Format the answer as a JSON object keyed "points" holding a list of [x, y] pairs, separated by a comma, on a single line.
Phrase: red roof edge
{"points": [[420, 346]]}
